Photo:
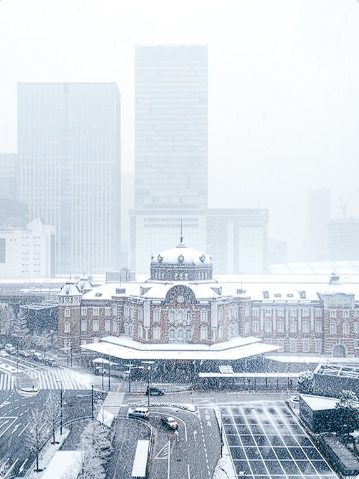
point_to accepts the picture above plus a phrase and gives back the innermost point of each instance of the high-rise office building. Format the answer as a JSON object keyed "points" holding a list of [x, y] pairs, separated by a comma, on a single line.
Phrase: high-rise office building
{"points": [[70, 165], [8, 176], [237, 240], [318, 211], [171, 159], [343, 239]]}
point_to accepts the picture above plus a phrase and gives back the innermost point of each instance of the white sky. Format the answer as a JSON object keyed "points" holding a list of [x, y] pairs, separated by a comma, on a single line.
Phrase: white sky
{"points": [[283, 86]]}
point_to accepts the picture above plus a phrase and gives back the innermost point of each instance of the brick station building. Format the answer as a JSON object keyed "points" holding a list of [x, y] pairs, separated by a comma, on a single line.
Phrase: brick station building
{"points": [[182, 303]]}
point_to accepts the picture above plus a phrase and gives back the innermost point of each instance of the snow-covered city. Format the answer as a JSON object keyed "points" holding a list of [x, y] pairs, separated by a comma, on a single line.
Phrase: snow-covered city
{"points": [[179, 239]]}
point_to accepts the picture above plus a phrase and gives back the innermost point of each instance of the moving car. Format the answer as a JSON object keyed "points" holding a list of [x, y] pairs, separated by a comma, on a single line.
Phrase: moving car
{"points": [[142, 412], [154, 392], [170, 422]]}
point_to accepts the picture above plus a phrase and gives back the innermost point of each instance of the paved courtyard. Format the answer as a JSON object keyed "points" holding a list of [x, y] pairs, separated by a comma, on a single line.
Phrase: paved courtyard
{"points": [[266, 441]]}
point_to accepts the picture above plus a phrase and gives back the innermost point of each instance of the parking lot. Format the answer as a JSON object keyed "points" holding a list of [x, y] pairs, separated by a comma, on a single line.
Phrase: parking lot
{"points": [[266, 441]]}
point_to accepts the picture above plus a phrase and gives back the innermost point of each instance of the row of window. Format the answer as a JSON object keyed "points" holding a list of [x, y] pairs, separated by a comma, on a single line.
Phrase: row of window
{"points": [[334, 328], [280, 312], [110, 326], [305, 343]]}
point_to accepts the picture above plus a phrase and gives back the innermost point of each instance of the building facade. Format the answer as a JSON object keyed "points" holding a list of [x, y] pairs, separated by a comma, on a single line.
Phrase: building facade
{"points": [[171, 151], [70, 165], [27, 252], [9, 173], [237, 239], [343, 238], [182, 302]]}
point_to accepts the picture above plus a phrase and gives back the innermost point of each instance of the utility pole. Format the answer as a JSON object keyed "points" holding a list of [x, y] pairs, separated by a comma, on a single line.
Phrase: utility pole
{"points": [[61, 404], [92, 416], [109, 371], [148, 387], [17, 356]]}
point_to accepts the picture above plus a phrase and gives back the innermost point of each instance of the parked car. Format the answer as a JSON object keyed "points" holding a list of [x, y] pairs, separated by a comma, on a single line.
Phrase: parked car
{"points": [[141, 412], [3, 353], [154, 392], [170, 422], [9, 348], [37, 356]]}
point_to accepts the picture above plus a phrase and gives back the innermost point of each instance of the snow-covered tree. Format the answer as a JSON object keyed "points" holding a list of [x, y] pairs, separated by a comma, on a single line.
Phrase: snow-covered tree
{"points": [[36, 434], [7, 317], [96, 447], [347, 413], [52, 414], [19, 328], [306, 382]]}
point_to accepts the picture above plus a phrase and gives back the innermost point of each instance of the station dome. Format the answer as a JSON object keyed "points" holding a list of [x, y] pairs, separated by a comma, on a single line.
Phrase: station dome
{"points": [[181, 264]]}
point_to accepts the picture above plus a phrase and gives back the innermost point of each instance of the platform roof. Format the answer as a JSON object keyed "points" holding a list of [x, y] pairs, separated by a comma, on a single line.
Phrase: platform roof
{"points": [[127, 348]]}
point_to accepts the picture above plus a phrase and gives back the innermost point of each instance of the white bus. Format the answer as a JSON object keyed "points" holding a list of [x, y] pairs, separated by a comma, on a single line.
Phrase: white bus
{"points": [[139, 469]]}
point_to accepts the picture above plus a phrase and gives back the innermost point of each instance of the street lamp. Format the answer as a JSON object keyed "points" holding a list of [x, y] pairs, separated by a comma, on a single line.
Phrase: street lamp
{"points": [[109, 371], [149, 363], [60, 381]]}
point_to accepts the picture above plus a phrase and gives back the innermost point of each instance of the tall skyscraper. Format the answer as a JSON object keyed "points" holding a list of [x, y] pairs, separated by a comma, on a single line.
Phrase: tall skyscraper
{"points": [[171, 157], [8, 176], [343, 239], [70, 165], [318, 211]]}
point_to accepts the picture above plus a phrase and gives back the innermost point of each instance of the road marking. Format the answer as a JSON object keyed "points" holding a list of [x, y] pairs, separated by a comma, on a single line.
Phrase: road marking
{"points": [[189, 475], [164, 451], [27, 425], [23, 465], [5, 422], [11, 468], [15, 428], [195, 435]]}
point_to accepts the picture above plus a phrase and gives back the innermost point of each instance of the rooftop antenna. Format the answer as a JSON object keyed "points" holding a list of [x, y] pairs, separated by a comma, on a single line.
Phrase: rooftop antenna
{"points": [[181, 237]]}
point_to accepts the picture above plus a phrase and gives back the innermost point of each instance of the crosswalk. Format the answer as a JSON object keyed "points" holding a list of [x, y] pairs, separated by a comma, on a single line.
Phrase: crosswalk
{"points": [[54, 378]]}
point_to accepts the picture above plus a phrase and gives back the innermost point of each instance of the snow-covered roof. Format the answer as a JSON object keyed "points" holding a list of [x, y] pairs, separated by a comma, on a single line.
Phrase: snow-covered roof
{"points": [[126, 348], [181, 255], [64, 464], [319, 403], [70, 289]]}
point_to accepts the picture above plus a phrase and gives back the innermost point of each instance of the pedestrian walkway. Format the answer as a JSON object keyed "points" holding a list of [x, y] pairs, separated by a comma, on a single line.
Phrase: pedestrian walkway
{"points": [[7, 382]]}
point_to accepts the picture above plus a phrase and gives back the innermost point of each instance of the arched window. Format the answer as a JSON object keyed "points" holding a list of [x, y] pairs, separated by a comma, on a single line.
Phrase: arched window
{"points": [[156, 333], [127, 330], [204, 333], [171, 315], [189, 334], [268, 326], [140, 331], [189, 317], [180, 334], [333, 328], [171, 334], [220, 331], [247, 327], [280, 326], [131, 329], [345, 328]]}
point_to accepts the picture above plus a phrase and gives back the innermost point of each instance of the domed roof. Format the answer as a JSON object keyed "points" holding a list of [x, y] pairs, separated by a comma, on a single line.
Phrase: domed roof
{"points": [[69, 289], [181, 255]]}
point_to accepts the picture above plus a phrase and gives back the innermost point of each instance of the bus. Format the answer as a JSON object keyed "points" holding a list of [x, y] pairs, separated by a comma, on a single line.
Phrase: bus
{"points": [[139, 469]]}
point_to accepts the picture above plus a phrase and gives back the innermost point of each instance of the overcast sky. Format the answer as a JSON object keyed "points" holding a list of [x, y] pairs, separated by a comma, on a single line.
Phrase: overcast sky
{"points": [[283, 86]]}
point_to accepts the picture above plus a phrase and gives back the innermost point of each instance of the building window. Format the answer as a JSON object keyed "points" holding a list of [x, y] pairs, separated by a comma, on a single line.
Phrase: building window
{"points": [[83, 325], [346, 313], [247, 327], [108, 325], [255, 327], [267, 312], [107, 311], [280, 326], [305, 327], [114, 326], [293, 327], [96, 325], [126, 311], [171, 316], [67, 312], [280, 312], [293, 313], [281, 343], [67, 327], [156, 316], [268, 326], [114, 310], [171, 334], [356, 328], [305, 312], [189, 334], [189, 317], [318, 345], [156, 333], [333, 313], [83, 311], [204, 333], [305, 345], [357, 313], [220, 314], [345, 328], [204, 315], [220, 331], [333, 328], [318, 327], [255, 313], [96, 311], [140, 331], [318, 313], [293, 345]]}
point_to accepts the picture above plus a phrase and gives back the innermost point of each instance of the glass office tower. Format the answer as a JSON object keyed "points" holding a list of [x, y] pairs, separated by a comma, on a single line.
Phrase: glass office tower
{"points": [[70, 167], [171, 153]]}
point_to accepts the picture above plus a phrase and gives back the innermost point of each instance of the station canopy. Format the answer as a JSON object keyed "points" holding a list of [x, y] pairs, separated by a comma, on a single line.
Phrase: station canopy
{"points": [[126, 348]]}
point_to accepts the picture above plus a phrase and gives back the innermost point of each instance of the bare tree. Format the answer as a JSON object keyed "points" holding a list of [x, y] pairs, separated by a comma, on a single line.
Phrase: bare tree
{"points": [[36, 434], [7, 316], [19, 328], [52, 414], [4, 469]]}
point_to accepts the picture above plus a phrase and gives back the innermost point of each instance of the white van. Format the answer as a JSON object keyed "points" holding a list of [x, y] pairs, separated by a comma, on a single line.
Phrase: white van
{"points": [[142, 412]]}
